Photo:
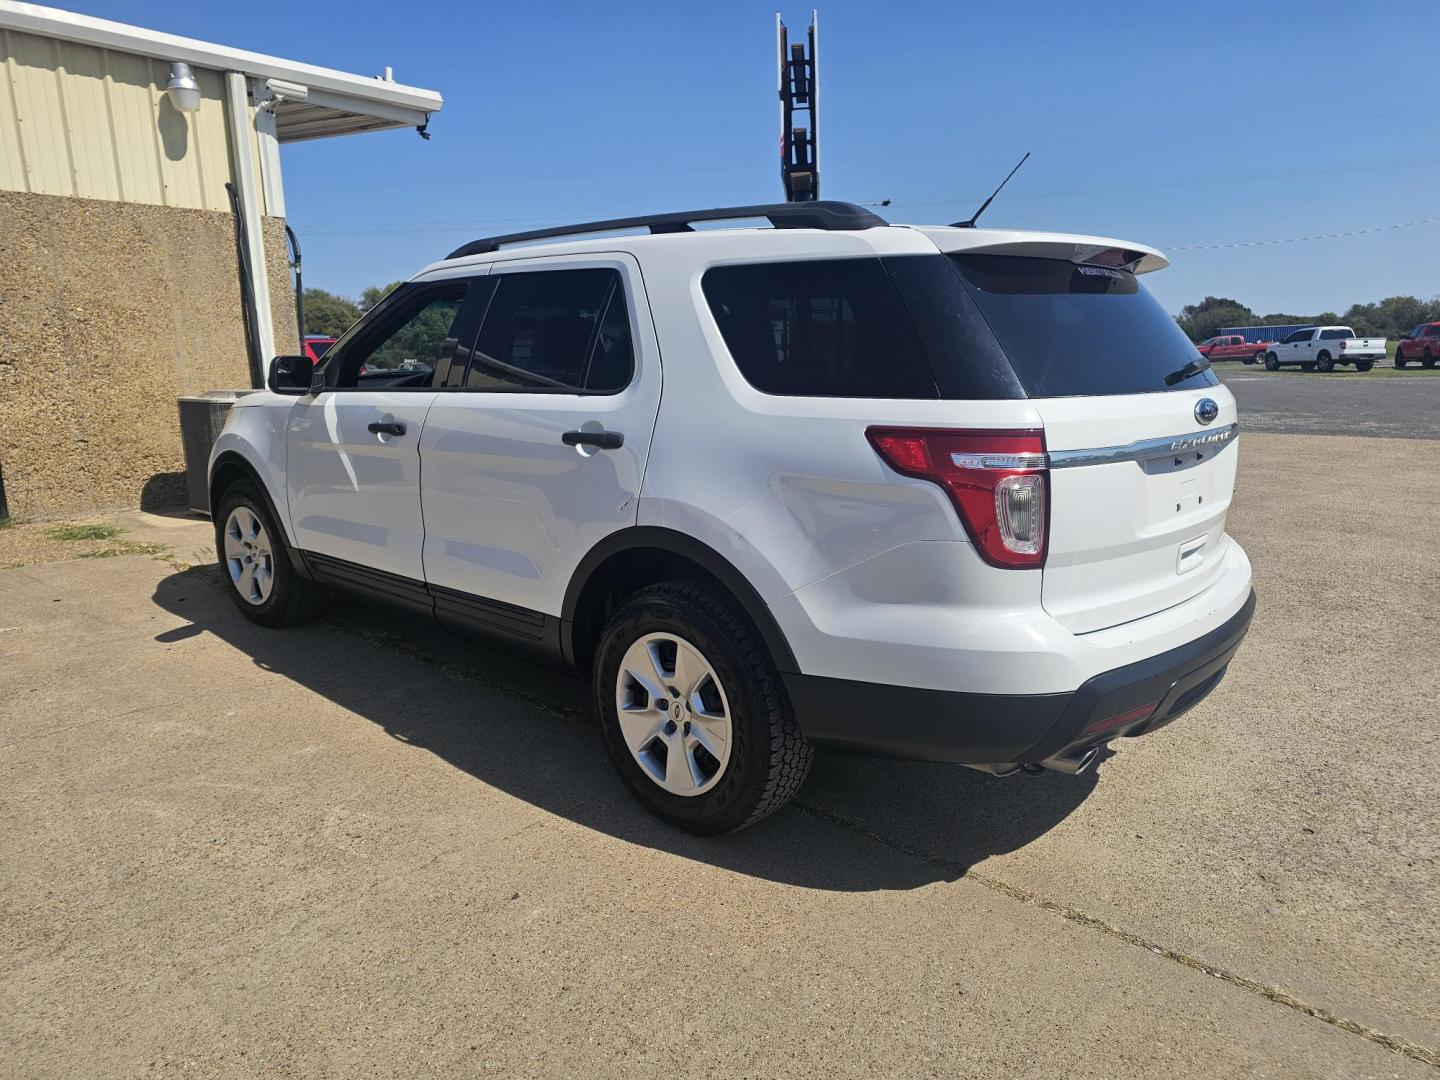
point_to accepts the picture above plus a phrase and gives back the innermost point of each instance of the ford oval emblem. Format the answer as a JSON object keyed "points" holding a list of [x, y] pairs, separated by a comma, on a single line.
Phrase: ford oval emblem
{"points": [[1206, 410]]}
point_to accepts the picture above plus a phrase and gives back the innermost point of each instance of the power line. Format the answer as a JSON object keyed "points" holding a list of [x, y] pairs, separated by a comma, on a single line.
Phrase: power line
{"points": [[1299, 239], [1030, 195]]}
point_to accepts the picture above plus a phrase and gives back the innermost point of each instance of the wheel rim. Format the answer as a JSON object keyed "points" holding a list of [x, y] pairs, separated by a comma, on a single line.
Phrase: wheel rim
{"points": [[248, 557], [674, 715]]}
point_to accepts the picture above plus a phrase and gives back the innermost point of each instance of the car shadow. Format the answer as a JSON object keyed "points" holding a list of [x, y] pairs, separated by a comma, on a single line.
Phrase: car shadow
{"points": [[529, 731]]}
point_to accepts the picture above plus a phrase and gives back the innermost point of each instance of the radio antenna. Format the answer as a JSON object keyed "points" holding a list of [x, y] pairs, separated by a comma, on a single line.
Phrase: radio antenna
{"points": [[986, 204]]}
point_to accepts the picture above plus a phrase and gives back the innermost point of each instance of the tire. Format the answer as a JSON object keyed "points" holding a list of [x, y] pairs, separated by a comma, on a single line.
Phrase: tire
{"points": [[1258, 358], [1272, 362], [687, 630], [247, 537], [1324, 363], [1307, 367], [1399, 357], [1363, 365], [1428, 359]]}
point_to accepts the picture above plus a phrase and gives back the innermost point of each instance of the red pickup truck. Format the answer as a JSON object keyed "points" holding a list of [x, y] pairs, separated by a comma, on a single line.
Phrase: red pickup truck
{"points": [[1422, 344], [1232, 347]]}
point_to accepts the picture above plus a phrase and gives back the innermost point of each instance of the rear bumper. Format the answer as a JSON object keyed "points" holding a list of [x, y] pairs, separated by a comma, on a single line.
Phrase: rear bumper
{"points": [[1007, 730]]}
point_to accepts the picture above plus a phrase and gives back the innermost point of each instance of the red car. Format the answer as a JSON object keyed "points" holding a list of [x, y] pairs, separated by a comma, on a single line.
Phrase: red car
{"points": [[1232, 347], [1423, 344], [316, 346]]}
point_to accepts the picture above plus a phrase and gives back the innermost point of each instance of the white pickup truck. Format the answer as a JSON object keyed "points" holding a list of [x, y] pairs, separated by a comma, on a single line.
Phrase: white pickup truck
{"points": [[1322, 347]]}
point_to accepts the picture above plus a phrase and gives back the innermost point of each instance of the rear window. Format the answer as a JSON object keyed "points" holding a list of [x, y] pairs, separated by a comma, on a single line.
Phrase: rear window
{"points": [[1338, 334], [1078, 330], [964, 327]]}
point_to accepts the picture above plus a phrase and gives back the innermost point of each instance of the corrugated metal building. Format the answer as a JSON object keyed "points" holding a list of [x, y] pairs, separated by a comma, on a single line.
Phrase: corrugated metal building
{"points": [[1258, 334], [121, 265]]}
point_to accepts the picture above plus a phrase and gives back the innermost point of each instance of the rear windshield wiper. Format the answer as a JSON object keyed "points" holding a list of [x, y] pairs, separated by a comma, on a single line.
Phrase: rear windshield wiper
{"points": [[1194, 367]]}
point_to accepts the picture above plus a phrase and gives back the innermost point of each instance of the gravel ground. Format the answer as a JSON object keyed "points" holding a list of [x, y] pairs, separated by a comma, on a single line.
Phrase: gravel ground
{"points": [[362, 848], [1383, 403]]}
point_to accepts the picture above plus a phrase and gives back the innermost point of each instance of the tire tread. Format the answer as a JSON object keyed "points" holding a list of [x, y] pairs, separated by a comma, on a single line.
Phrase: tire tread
{"points": [[785, 753]]}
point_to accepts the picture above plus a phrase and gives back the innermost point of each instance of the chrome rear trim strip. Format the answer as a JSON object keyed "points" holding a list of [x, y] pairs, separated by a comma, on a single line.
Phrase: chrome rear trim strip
{"points": [[1146, 449]]}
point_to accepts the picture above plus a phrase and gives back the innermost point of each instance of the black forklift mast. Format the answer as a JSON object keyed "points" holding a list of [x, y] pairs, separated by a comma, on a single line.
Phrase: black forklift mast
{"points": [[799, 87]]}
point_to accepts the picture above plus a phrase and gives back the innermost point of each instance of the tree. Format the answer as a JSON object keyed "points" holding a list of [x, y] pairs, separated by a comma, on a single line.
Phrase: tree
{"points": [[1396, 316], [375, 293], [328, 314], [1202, 320]]}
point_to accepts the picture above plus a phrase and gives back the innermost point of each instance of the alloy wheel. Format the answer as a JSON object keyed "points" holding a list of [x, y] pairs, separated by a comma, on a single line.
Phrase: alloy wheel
{"points": [[673, 714], [248, 556]]}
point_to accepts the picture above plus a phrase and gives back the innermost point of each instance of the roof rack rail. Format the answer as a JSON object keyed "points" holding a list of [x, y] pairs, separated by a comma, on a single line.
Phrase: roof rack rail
{"points": [[809, 215]]}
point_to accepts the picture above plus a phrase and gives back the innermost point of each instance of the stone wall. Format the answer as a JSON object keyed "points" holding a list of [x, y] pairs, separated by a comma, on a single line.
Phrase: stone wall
{"points": [[108, 312]]}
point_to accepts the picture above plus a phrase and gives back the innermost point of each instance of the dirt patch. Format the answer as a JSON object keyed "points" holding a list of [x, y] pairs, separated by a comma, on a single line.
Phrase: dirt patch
{"points": [[23, 544]]}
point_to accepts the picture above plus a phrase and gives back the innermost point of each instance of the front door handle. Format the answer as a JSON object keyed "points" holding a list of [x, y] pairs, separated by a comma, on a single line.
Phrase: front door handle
{"points": [[391, 427], [603, 440]]}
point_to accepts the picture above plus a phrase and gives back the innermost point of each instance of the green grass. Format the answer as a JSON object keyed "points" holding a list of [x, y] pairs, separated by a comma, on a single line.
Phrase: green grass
{"points": [[83, 532], [126, 547]]}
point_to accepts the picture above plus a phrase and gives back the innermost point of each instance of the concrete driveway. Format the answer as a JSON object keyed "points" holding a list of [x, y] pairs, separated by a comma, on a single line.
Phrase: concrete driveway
{"points": [[361, 848], [1383, 403]]}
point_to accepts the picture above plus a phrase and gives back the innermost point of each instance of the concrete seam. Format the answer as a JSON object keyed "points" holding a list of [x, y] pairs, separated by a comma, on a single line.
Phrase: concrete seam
{"points": [[1395, 1043]]}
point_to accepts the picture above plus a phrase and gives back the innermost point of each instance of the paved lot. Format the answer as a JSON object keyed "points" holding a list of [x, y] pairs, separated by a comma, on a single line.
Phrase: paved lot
{"points": [[364, 849], [1381, 403]]}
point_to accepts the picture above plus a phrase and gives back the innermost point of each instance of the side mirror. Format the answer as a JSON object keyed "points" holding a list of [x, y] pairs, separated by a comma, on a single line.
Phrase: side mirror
{"points": [[289, 375]]}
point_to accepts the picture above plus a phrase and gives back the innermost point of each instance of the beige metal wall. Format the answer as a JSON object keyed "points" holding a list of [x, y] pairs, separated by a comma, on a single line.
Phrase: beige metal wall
{"points": [[96, 124]]}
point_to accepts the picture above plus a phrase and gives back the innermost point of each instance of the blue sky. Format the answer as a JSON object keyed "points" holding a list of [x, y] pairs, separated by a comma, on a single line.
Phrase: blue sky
{"points": [[1176, 124]]}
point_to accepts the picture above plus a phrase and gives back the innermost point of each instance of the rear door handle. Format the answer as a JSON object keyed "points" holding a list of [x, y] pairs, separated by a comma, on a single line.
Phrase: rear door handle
{"points": [[391, 427], [603, 440]]}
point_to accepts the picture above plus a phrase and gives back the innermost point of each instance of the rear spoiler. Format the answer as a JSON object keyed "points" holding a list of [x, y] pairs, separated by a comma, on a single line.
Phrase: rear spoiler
{"points": [[1087, 250]]}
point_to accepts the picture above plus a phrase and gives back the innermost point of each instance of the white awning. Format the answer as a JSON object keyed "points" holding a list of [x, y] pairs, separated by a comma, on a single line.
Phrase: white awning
{"points": [[310, 102]]}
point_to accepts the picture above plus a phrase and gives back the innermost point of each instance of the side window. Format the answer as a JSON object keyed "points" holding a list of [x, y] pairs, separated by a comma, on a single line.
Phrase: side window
{"points": [[1298, 335], [402, 342], [824, 328], [1433, 331], [554, 331], [451, 372]]}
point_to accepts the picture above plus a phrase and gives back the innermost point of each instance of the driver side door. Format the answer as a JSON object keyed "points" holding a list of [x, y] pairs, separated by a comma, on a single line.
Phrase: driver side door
{"points": [[352, 449]]}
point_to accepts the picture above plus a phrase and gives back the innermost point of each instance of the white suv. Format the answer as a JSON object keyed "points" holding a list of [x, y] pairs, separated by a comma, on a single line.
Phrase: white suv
{"points": [[944, 493]]}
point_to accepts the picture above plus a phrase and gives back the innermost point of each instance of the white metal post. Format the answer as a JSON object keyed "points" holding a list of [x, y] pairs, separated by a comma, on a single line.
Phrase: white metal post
{"points": [[243, 153], [270, 183]]}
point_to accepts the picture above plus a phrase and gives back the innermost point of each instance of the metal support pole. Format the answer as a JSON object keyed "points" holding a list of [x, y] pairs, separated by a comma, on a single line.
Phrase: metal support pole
{"points": [[243, 156]]}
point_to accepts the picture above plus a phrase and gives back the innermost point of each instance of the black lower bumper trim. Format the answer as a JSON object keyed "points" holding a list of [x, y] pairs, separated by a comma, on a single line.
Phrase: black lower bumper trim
{"points": [[1012, 729]]}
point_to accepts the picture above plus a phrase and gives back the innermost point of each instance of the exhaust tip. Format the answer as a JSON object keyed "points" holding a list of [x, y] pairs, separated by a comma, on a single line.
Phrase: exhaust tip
{"points": [[1073, 763]]}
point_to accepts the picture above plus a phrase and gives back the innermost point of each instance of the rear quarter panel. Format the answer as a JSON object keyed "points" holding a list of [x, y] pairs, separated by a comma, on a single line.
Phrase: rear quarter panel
{"points": [[787, 489]]}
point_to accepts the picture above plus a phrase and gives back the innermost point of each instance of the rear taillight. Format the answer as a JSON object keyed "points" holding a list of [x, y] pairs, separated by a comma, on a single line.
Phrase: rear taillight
{"points": [[1342, 345], [995, 479]]}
